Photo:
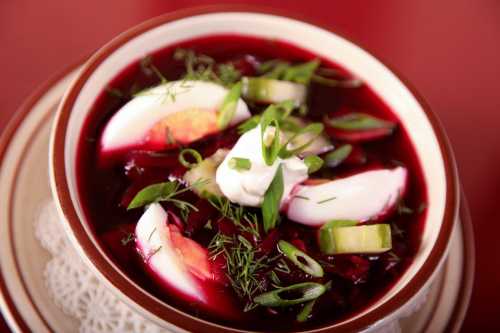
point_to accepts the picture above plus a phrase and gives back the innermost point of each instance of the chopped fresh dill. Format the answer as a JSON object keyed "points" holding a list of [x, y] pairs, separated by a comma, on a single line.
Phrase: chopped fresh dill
{"points": [[394, 256], [243, 219], [201, 67], [208, 225], [421, 207], [148, 68], [403, 209], [326, 200], [151, 234], [153, 252], [397, 231], [130, 237], [115, 92], [401, 206]]}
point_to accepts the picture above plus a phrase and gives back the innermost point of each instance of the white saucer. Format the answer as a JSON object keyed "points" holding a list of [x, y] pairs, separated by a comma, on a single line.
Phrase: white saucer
{"points": [[24, 186]]}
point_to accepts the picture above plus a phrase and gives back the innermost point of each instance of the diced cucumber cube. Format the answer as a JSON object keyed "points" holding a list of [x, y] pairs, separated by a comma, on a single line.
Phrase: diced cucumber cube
{"points": [[265, 90], [339, 237]]}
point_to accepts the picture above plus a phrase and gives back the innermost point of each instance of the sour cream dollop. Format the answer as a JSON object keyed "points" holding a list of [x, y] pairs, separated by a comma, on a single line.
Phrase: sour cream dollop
{"points": [[248, 187]]}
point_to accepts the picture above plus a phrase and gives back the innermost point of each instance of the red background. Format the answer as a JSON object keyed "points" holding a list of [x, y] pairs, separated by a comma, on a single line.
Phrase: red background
{"points": [[449, 50]]}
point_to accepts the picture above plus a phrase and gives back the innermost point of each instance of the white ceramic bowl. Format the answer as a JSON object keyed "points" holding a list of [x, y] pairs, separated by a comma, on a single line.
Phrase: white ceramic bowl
{"points": [[424, 130]]}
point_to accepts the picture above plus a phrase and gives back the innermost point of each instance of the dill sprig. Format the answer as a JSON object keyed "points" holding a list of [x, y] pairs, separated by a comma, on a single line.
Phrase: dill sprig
{"points": [[204, 68], [245, 269], [242, 218]]}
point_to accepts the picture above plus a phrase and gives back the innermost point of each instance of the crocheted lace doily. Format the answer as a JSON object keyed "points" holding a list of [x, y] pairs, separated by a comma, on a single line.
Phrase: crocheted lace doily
{"points": [[79, 293], [76, 290]]}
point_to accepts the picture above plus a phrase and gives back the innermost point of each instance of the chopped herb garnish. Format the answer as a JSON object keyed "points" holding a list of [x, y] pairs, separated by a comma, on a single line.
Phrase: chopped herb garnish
{"points": [[114, 92], [244, 266], [301, 197], [301, 259], [301, 73], [306, 312], [228, 107], [243, 219], [194, 154], [345, 83], [130, 237], [336, 157], [249, 124], [166, 191], [208, 225], [153, 252], [228, 74], [272, 201], [270, 139], [356, 121], [421, 207], [404, 210], [306, 291], [282, 70], [239, 164], [313, 163], [312, 130], [151, 234], [149, 69], [326, 200], [203, 68]]}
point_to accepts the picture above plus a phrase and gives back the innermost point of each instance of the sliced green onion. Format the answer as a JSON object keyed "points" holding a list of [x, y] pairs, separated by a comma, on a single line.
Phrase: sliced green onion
{"points": [[277, 70], [270, 149], [356, 121], [239, 164], [249, 124], [301, 73], [193, 153], [347, 83], [336, 157], [272, 199], [307, 290], [228, 107], [313, 163], [310, 266], [312, 130], [305, 313], [281, 70]]}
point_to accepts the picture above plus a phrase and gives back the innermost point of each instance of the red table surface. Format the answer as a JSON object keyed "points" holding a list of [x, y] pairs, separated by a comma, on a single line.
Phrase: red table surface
{"points": [[449, 50]]}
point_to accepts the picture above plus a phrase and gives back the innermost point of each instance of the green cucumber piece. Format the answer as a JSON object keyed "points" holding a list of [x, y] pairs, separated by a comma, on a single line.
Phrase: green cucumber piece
{"points": [[339, 237], [205, 170], [325, 236], [265, 90]]}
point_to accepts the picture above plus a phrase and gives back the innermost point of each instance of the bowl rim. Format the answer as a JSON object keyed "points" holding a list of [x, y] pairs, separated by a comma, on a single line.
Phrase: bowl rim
{"points": [[169, 313]]}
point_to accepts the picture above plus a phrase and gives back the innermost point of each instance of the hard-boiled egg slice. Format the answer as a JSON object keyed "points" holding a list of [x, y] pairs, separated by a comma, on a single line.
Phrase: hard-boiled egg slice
{"points": [[174, 112], [181, 266], [156, 242], [364, 196]]}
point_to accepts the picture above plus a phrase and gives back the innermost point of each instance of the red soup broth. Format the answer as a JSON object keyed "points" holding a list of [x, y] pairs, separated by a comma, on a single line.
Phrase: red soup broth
{"points": [[106, 188]]}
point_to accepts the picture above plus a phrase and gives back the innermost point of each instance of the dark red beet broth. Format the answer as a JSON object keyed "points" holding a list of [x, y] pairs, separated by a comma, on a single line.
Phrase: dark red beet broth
{"points": [[106, 188]]}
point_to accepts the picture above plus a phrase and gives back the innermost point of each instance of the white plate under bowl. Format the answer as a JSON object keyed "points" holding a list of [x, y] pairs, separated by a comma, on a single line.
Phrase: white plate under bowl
{"points": [[25, 301]]}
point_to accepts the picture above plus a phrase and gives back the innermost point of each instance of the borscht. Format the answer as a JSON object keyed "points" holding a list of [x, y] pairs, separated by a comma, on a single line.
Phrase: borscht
{"points": [[251, 183]]}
